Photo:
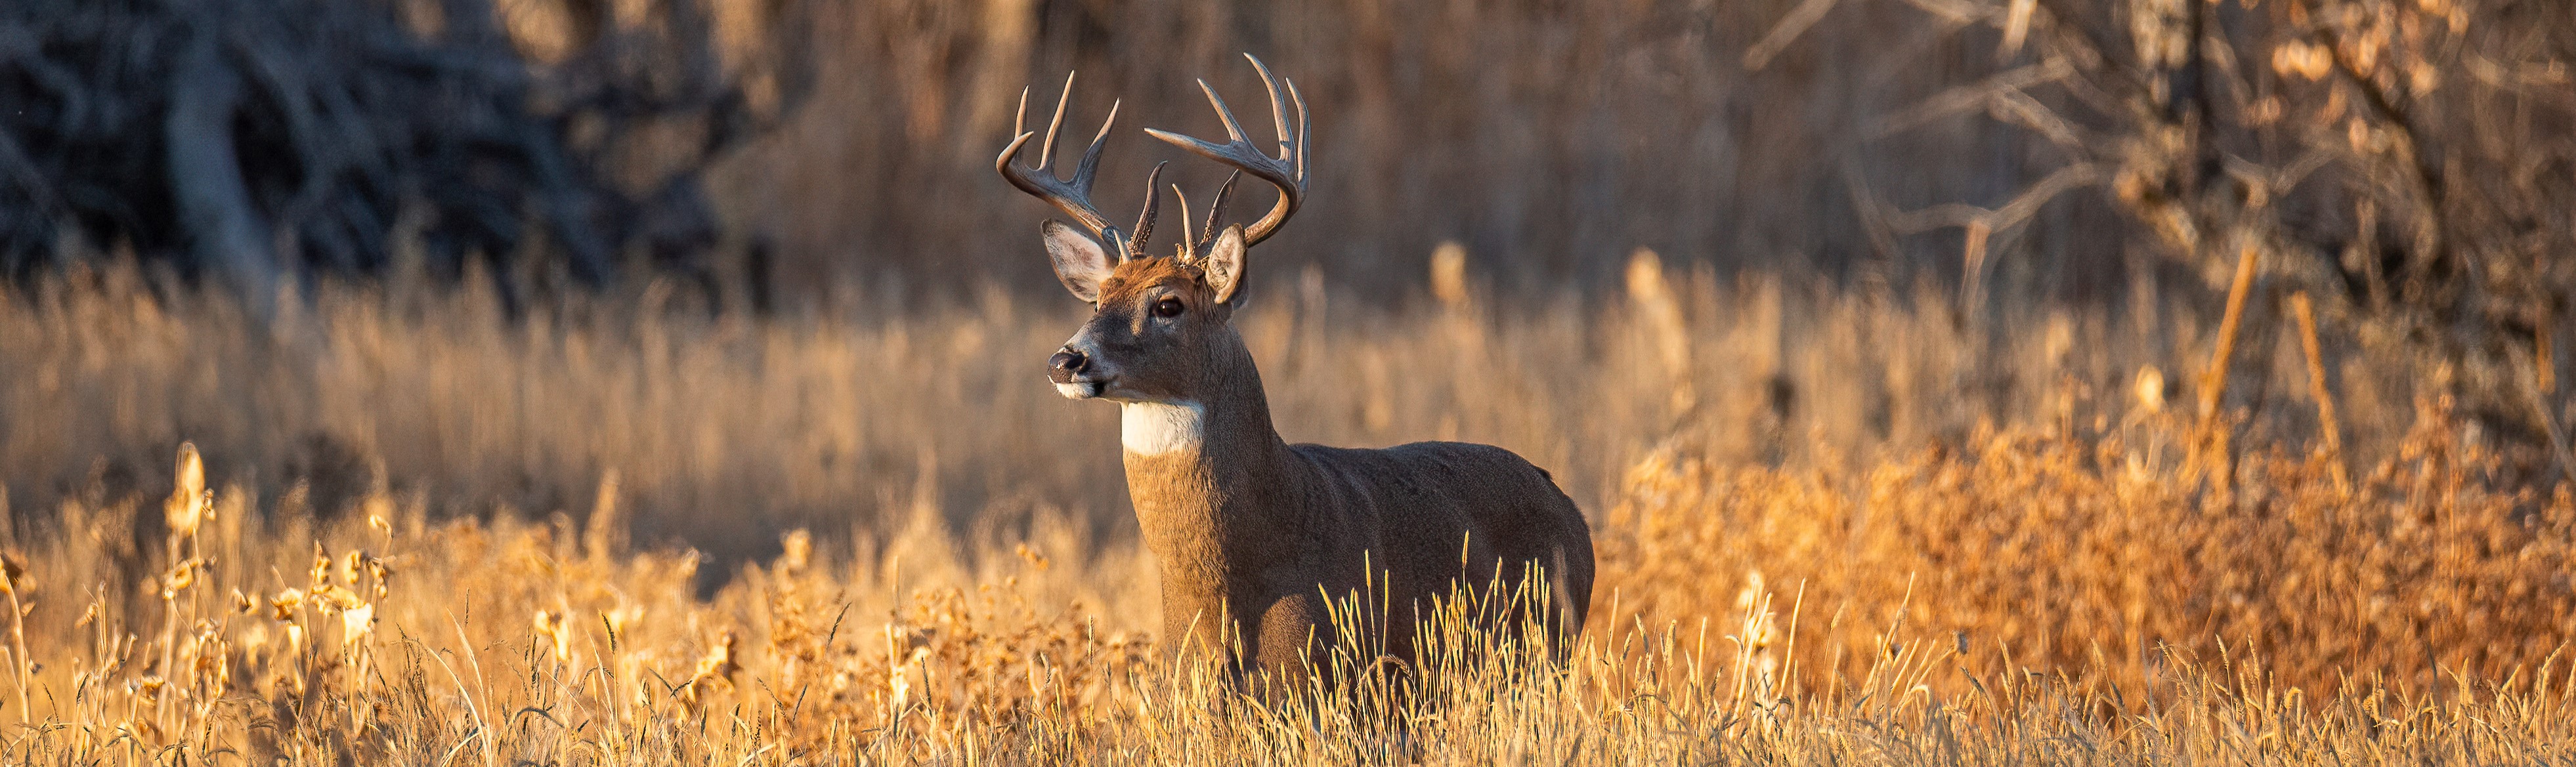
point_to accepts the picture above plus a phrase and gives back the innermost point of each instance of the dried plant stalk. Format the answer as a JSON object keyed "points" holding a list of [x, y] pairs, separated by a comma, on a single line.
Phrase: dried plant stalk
{"points": [[2213, 382], [2544, 359], [2541, 387], [2329, 429], [1972, 269]]}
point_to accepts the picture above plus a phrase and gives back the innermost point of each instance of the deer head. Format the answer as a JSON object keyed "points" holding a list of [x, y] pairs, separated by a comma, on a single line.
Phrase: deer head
{"points": [[1156, 320]]}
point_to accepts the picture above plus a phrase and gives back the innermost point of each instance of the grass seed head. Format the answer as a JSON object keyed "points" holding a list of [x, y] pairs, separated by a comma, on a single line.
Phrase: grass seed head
{"points": [[356, 622], [549, 626], [284, 606], [190, 504], [13, 575]]}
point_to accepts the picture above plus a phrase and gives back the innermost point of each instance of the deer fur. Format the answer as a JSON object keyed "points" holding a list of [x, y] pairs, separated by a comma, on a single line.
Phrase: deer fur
{"points": [[1253, 535]]}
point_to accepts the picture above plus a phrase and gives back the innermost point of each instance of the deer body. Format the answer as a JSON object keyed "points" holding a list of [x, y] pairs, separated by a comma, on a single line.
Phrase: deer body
{"points": [[1255, 537], [1252, 534]]}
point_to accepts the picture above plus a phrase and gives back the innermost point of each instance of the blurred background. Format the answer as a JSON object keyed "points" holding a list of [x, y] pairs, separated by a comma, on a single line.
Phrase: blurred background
{"points": [[751, 257]]}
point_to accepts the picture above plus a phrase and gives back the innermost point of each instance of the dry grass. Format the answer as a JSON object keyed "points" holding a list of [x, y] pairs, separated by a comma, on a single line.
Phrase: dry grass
{"points": [[1921, 509], [730, 431], [396, 637], [2088, 554], [1783, 579]]}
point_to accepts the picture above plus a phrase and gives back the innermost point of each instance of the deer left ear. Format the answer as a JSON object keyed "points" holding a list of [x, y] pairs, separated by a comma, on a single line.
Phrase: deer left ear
{"points": [[1224, 263], [1079, 261]]}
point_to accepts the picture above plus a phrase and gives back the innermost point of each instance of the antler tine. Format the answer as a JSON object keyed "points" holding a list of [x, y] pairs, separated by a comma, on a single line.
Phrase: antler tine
{"points": [[1187, 237], [1063, 98], [1071, 196], [1287, 172], [1304, 130], [1233, 130], [1088, 168], [1278, 109], [1145, 218], [1216, 210], [1020, 118]]}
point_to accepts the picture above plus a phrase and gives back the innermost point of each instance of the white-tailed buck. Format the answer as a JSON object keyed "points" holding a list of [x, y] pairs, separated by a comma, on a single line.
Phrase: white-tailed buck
{"points": [[1254, 536]]}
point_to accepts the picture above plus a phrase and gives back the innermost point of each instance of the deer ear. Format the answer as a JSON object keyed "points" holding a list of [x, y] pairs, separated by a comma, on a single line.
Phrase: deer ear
{"points": [[1079, 260], [1224, 263]]}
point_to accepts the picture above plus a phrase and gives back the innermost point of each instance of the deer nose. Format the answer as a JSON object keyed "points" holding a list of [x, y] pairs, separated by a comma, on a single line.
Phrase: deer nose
{"points": [[1068, 362]]}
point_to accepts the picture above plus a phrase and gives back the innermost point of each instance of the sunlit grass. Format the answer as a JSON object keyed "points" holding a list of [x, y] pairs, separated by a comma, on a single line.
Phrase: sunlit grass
{"points": [[392, 636], [619, 533]]}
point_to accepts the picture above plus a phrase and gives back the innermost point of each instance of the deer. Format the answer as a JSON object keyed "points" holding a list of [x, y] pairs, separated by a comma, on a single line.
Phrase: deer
{"points": [[1255, 538]]}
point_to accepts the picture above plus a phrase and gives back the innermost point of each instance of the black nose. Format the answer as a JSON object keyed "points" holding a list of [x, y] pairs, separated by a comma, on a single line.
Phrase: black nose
{"points": [[1068, 361]]}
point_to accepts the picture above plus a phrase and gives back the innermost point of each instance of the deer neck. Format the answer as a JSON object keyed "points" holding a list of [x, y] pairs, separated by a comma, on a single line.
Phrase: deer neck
{"points": [[1201, 470]]}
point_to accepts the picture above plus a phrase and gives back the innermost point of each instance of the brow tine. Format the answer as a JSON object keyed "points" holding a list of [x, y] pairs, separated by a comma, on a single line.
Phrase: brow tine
{"points": [[1187, 236], [1145, 218], [1216, 210]]}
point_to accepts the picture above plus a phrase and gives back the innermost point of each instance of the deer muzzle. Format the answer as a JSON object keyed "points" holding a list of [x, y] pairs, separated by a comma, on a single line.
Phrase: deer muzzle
{"points": [[1071, 370]]}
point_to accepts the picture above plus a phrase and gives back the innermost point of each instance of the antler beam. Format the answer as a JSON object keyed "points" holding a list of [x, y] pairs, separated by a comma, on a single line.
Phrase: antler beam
{"points": [[1073, 196], [1287, 171]]}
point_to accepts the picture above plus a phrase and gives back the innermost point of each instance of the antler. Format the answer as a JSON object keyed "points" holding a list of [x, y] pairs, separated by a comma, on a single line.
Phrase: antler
{"points": [[1287, 171], [1074, 196]]}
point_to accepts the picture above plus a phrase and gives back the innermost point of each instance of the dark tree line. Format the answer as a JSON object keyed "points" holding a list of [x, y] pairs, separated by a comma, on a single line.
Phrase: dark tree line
{"points": [[255, 141]]}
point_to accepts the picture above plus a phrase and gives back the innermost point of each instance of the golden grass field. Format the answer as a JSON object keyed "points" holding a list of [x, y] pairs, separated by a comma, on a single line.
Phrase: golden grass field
{"points": [[1834, 526], [1943, 450]]}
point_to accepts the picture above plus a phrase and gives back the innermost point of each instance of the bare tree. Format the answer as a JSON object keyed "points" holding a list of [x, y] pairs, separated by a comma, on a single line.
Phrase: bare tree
{"points": [[2408, 161]]}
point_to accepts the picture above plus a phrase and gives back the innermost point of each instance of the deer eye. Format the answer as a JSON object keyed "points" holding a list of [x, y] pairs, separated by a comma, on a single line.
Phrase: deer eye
{"points": [[1167, 308]]}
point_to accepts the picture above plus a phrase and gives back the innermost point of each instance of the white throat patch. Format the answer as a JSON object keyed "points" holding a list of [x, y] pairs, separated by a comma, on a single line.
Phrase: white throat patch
{"points": [[1155, 428]]}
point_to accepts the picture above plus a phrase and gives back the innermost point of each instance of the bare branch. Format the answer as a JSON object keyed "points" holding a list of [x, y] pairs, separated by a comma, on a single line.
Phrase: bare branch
{"points": [[1787, 31], [1972, 96]]}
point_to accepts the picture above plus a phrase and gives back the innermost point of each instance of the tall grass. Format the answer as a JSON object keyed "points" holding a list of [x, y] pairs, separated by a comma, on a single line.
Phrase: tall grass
{"points": [[622, 531], [728, 431], [2088, 553], [390, 635]]}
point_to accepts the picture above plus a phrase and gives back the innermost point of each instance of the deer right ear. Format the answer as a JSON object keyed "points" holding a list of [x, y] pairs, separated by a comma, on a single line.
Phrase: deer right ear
{"points": [[1224, 263], [1079, 260]]}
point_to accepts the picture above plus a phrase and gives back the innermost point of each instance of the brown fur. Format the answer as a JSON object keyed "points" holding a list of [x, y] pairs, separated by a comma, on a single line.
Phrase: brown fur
{"points": [[1253, 535]]}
